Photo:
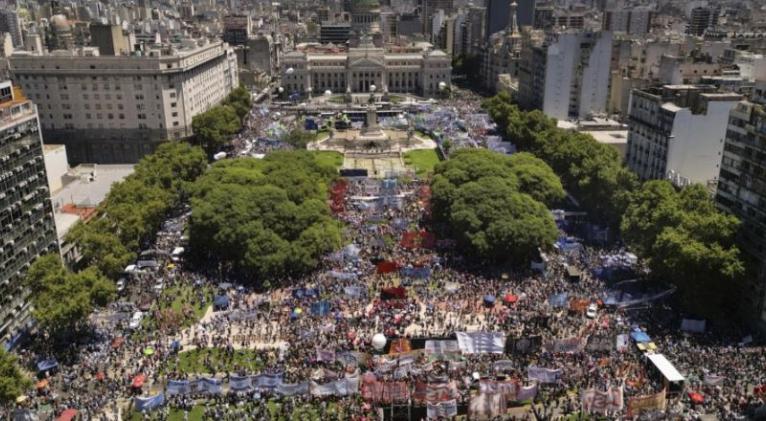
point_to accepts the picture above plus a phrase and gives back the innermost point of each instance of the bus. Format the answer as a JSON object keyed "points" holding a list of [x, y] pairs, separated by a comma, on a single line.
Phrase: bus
{"points": [[667, 374]]}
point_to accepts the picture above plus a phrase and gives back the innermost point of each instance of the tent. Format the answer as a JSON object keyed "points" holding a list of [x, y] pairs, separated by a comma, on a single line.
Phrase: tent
{"points": [[696, 398], [510, 298], [392, 293], [47, 365], [67, 415], [640, 336], [489, 300], [138, 381], [387, 266], [221, 302]]}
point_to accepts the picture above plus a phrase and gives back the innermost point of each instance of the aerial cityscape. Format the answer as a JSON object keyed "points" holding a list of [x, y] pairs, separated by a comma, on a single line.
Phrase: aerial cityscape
{"points": [[382, 210]]}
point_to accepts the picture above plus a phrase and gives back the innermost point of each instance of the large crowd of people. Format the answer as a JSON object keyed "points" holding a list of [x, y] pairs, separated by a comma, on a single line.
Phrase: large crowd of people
{"points": [[394, 277]]}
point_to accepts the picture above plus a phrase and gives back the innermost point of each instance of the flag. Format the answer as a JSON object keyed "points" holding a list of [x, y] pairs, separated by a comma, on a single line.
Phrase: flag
{"points": [[481, 342], [543, 375], [444, 409]]}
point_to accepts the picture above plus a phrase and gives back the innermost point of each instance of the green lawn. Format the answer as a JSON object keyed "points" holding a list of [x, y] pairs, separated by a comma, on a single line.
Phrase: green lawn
{"points": [[331, 158], [194, 361], [423, 161], [180, 306], [307, 412], [196, 414]]}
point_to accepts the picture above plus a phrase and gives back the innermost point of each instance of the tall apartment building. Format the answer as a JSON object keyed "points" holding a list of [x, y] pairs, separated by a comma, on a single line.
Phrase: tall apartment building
{"points": [[630, 21], [742, 192], [566, 74], [9, 22], [26, 215], [116, 109], [701, 19], [236, 29], [676, 132], [497, 16], [334, 32]]}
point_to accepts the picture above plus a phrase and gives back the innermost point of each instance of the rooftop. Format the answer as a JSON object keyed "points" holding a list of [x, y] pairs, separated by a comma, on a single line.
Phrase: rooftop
{"points": [[84, 192]]}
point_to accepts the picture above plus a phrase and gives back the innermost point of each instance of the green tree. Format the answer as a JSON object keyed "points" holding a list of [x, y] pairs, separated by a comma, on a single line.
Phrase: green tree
{"points": [[213, 128], [298, 138], [172, 167], [265, 219], [491, 203], [100, 247], [13, 381], [240, 100], [63, 300]]}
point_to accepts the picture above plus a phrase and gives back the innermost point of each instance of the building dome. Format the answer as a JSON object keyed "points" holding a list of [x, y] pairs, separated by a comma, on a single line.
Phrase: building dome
{"points": [[60, 23]]}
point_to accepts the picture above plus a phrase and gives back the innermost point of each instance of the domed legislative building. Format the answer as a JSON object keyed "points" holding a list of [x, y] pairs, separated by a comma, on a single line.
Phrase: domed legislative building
{"points": [[416, 69]]}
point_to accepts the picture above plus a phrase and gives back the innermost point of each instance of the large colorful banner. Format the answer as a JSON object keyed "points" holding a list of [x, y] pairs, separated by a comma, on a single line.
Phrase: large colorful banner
{"points": [[434, 392], [543, 375], [598, 343], [486, 406], [602, 402], [438, 348], [638, 404], [481, 342], [148, 403], [508, 389], [446, 409], [385, 392]]}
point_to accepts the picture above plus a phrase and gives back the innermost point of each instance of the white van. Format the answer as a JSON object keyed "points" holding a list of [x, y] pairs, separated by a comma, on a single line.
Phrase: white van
{"points": [[135, 321]]}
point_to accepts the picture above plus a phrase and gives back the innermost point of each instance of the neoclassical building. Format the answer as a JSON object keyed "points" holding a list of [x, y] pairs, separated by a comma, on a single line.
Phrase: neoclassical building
{"points": [[416, 70]]}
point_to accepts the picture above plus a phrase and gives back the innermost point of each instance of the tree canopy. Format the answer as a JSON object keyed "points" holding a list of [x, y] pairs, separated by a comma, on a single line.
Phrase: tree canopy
{"points": [[264, 218], [135, 207], [592, 172], [495, 205], [13, 381], [240, 100], [214, 127], [688, 242], [62, 299]]}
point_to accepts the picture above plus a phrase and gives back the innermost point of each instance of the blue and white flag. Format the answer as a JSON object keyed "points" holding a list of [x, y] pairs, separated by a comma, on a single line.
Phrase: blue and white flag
{"points": [[147, 403], [543, 375], [240, 383], [481, 342]]}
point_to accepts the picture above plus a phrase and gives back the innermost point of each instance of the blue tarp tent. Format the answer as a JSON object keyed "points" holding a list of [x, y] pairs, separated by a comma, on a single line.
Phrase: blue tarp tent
{"points": [[175, 345], [320, 308], [149, 402], [47, 365], [221, 302], [640, 336]]}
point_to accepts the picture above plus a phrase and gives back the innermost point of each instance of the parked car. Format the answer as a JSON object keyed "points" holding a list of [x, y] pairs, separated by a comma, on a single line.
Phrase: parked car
{"points": [[592, 311], [135, 321]]}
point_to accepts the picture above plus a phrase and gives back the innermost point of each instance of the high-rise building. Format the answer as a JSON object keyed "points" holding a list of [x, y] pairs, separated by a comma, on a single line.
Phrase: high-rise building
{"points": [[116, 109], [334, 32], [741, 192], [525, 13], [236, 29], [9, 22], [497, 16], [630, 21], [109, 39], [26, 216], [676, 132], [566, 74], [701, 19]]}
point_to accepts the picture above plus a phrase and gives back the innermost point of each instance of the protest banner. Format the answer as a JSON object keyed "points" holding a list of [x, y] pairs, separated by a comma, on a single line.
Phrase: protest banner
{"points": [[638, 404], [602, 402]]}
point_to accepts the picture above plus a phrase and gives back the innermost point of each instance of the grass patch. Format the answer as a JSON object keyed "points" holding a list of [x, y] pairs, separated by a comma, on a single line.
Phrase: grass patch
{"points": [[214, 360], [305, 412], [197, 413], [321, 135], [423, 161], [330, 158]]}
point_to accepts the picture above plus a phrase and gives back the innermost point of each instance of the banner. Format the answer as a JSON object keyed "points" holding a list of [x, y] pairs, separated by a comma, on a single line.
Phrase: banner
{"points": [[385, 392], [559, 300], [440, 348], [325, 355], [481, 342], [240, 383], [293, 389], [267, 382], [343, 387], [320, 308], [543, 375], [355, 291], [486, 406], [503, 365], [527, 393], [178, 387], [446, 409], [693, 325], [602, 402], [524, 346], [149, 402], [713, 379], [640, 404], [621, 343], [568, 345], [598, 343], [508, 389], [209, 385], [434, 392]]}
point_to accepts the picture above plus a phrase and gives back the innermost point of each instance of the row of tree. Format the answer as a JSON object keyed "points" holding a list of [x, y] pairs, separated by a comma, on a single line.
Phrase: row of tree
{"points": [[679, 233], [590, 171], [496, 205], [213, 128], [134, 209], [264, 219]]}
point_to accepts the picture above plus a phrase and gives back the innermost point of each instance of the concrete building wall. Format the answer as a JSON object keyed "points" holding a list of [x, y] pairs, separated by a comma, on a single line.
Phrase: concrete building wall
{"points": [[595, 77], [559, 75], [696, 146], [56, 165]]}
